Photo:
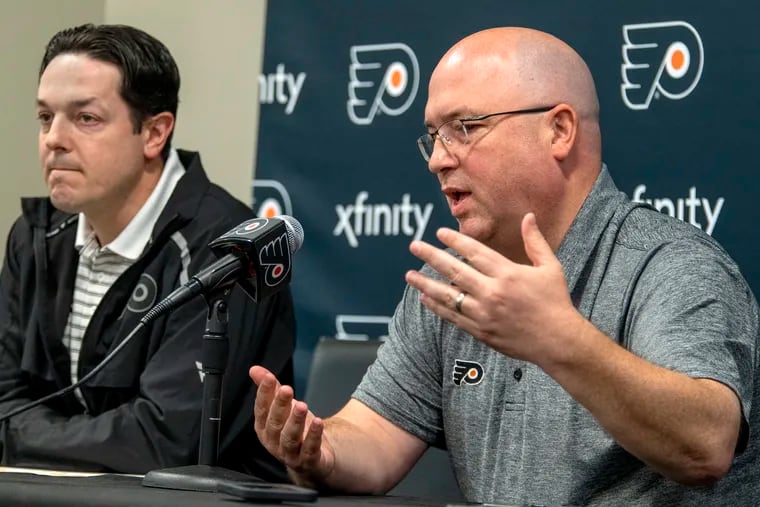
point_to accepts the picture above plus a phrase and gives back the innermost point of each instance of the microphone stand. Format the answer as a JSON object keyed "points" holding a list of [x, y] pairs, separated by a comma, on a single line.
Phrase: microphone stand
{"points": [[215, 351]]}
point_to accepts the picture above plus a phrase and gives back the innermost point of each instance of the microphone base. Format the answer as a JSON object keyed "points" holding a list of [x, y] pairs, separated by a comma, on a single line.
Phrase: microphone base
{"points": [[193, 478]]}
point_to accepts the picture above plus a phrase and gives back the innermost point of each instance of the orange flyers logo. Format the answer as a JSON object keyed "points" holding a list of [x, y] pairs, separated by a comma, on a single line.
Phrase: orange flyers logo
{"points": [[383, 79], [467, 372], [660, 59]]}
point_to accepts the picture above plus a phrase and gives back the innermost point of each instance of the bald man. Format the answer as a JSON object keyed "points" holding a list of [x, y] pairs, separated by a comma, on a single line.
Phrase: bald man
{"points": [[569, 346]]}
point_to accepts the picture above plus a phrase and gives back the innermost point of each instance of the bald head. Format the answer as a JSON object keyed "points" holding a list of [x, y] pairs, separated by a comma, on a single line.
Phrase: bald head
{"points": [[532, 65]]}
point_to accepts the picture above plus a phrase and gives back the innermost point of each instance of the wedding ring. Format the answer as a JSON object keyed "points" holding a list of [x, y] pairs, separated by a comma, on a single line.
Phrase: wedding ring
{"points": [[458, 302]]}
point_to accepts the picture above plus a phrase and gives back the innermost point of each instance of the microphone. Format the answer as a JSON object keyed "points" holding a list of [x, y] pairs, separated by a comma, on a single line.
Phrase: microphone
{"points": [[256, 254]]}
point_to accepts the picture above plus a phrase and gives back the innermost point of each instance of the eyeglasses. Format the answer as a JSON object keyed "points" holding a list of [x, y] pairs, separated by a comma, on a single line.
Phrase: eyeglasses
{"points": [[455, 131]]}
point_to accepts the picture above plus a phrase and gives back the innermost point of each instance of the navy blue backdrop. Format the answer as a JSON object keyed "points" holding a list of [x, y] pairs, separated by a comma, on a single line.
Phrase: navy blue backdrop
{"points": [[342, 95]]}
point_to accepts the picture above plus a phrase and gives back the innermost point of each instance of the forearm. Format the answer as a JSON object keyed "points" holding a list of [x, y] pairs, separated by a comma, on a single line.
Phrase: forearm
{"points": [[369, 457], [685, 428]]}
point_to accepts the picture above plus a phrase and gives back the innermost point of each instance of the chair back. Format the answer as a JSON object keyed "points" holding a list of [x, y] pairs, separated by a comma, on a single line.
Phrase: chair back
{"points": [[337, 368]]}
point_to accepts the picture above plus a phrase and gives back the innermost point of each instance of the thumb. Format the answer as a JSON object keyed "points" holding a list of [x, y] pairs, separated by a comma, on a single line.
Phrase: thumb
{"points": [[536, 247]]}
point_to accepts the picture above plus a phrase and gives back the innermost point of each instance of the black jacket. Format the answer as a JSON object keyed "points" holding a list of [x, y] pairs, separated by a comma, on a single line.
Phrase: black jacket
{"points": [[144, 407]]}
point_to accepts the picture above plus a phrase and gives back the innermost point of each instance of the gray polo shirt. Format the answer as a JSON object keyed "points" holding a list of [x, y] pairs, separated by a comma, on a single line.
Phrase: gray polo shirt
{"points": [[659, 287]]}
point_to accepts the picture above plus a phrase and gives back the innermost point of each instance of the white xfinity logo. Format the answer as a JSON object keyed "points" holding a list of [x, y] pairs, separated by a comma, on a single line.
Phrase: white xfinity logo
{"points": [[281, 87], [685, 209], [360, 219]]}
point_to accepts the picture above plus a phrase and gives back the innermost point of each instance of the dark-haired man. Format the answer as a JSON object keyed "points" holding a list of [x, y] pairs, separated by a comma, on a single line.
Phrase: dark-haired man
{"points": [[128, 219]]}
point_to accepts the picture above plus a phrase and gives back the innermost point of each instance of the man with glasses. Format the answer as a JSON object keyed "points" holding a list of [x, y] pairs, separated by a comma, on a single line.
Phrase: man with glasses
{"points": [[569, 347]]}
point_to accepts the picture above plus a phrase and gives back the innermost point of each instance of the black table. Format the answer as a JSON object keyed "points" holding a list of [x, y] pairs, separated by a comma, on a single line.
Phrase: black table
{"points": [[110, 490]]}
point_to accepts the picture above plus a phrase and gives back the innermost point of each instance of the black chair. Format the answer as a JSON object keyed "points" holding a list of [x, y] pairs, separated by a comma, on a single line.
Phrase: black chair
{"points": [[337, 367]]}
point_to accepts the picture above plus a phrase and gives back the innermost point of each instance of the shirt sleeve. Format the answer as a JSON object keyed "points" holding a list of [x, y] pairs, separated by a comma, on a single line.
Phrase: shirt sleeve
{"points": [[404, 384], [693, 312]]}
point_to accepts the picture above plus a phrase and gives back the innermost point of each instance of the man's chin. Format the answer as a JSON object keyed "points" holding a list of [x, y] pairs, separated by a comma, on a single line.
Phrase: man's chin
{"points": [[470, 227], [67, 205]]}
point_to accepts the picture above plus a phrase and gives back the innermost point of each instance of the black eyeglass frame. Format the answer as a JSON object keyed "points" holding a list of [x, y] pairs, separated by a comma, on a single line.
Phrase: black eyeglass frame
{"points": [[429, 137]]}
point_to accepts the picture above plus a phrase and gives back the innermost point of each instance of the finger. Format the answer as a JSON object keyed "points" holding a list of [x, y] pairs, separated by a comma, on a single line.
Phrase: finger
{"points": [[311, 448], [292, 433], [448, 266], [279, 412], [258, 373], [438, 296], [483, 259], [268, 386], [447, 310], [536, 247], [440, 292]]}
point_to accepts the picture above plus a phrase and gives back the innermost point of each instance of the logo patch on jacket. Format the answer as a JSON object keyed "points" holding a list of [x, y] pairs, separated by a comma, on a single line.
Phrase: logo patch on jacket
{"points": [[144, 296], [467, 372]]}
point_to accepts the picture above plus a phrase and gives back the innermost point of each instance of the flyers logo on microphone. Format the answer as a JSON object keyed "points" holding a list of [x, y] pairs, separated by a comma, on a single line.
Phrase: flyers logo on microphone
{"points": [[467, 372], [660, 59], [274, 257], [383, 79]]}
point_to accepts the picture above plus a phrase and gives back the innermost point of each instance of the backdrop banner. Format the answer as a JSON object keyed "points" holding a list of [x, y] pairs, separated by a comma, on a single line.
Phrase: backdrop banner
{"points": [[343, 92]]}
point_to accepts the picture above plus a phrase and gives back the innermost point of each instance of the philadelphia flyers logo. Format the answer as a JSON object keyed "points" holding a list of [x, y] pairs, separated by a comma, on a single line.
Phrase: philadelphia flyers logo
{"points": [[660, 60], [271, 199], [467, 372], [274, 257], [384, 79]]}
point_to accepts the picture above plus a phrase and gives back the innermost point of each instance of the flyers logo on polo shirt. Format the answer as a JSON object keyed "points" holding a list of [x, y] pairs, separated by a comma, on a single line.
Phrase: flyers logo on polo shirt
{"points": [[383, 79], [467, 372], [271, 199], [660, 60]]}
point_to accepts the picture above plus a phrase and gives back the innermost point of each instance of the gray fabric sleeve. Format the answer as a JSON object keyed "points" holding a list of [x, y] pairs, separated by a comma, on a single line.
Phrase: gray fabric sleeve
{"points": [[404, 383], [693, 312]]}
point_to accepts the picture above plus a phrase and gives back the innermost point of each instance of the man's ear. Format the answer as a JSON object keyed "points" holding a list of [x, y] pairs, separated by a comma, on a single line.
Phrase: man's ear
{"points": [[156, 130], [564, 129]]}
